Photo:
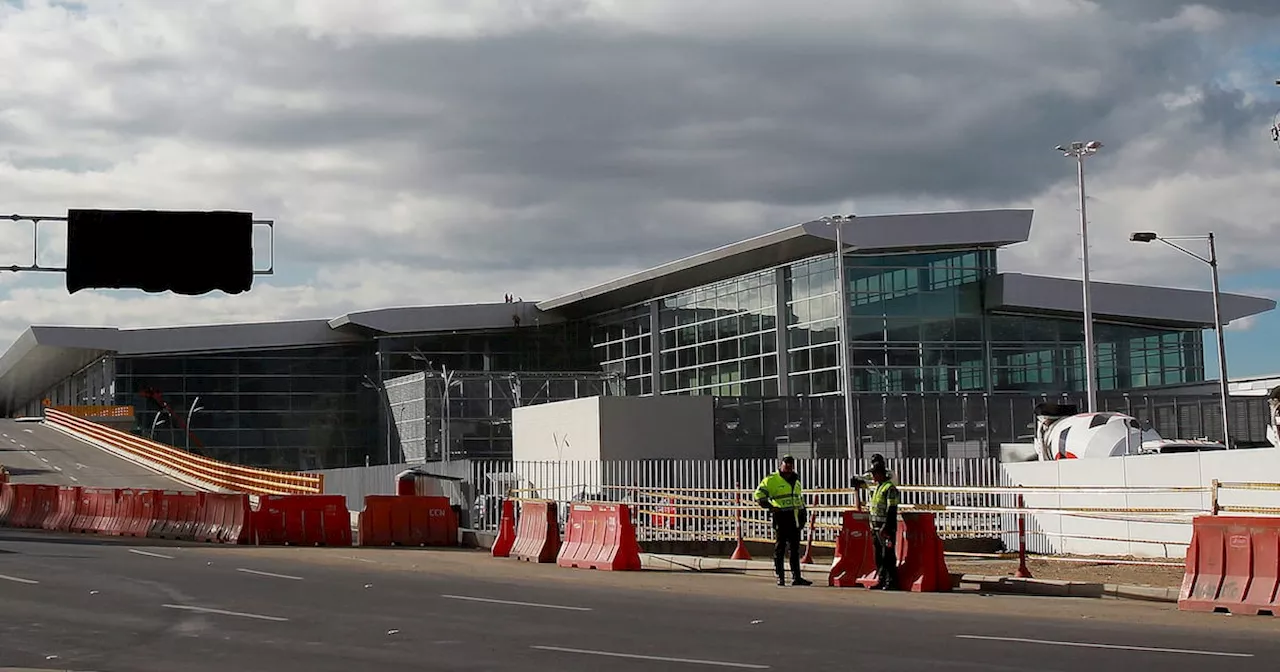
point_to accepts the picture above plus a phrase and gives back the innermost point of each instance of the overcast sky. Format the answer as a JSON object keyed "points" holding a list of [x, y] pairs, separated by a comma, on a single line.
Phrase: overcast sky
{"points": [[437, 151]]}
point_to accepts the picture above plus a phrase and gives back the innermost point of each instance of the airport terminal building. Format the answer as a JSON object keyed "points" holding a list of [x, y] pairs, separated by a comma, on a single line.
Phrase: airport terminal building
{"points": [[932, 324]]}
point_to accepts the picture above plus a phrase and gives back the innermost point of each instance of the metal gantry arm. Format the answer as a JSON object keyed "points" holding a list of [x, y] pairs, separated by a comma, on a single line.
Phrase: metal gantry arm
{"points": [[35, 266]]}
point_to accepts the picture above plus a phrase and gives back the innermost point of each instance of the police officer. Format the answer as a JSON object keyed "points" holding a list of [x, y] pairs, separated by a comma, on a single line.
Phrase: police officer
{"points": [[779, 493], [884, 525]]}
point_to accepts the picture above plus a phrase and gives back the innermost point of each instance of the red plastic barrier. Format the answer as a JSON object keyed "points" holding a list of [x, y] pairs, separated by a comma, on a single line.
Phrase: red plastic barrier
{"points": [[408, 520], [1233, 566], [922, 565], [600, 536], [537, 533], [855, 557], [506, 530], [23, 505], [103, 513], [176, 516], [225, 519], [65, 509], [44, 507], [6, 503], [136, 512], [303, 520], [83, 519]]}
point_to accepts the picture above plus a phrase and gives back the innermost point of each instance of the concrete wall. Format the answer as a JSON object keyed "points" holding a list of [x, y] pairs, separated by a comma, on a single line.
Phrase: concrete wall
{"points": [[666, 427], [556, 432], [1142, 535]]}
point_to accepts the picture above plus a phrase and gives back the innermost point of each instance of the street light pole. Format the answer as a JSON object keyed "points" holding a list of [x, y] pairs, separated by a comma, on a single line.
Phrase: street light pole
{"points": [[1212, 260], [842, 298], [1080, 151]]}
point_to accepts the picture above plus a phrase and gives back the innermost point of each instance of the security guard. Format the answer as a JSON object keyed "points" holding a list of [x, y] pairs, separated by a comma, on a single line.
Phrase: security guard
{"points": [[884, 526], [779, 493]]}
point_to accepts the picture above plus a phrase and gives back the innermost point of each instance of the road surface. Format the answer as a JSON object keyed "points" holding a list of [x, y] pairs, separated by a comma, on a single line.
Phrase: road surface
{"points": [[34, 453], [112, 605]]}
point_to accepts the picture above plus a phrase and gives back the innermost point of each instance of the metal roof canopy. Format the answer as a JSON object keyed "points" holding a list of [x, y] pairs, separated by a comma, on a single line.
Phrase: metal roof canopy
{"points": [[870, 234]]}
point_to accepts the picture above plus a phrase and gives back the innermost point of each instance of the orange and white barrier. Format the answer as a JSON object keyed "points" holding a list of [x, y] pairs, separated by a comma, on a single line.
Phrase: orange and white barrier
{"points": [[200, 472]]}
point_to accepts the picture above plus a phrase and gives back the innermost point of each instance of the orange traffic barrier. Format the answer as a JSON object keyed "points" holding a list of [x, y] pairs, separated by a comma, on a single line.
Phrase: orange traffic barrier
{"points": [[44, 506], [303, 520], [65, 509], [407, 520], [136, 512], [537, 532], [23, 504], [1233, 566], [176, 516], [922, 564], [855, 558], [506, 530], [6, 503], [600, 536], [225, 519], [82, 521]]}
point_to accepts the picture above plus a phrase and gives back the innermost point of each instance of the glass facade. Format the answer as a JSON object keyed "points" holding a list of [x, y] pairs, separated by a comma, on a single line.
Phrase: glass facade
{"points": [[294, 409], [917, 327], [721, 339]]}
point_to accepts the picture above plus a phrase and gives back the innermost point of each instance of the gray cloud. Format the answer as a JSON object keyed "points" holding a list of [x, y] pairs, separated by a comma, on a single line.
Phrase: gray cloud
{"points": [[581, 144]]}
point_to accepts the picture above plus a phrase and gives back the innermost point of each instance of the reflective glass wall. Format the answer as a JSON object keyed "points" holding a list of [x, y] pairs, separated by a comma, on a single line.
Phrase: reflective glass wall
{"points": [[721, 339], [294, 409], [1045, 354]]}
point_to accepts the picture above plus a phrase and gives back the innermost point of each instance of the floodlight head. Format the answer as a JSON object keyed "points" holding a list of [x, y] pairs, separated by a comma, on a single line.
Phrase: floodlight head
{"points": [[1093, 145], [1060, 148], [1143, 237]]}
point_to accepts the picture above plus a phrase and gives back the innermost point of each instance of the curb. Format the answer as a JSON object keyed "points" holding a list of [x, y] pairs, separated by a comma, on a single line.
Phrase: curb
{"points": [[987, 584]]}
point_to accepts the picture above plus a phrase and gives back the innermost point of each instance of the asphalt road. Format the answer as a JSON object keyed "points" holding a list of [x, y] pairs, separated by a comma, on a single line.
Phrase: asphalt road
{"points": [[34, 453], [115, 606]]}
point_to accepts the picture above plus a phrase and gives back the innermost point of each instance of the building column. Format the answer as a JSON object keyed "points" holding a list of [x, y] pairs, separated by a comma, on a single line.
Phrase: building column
{"points": [[780, 330], [655, 347]]}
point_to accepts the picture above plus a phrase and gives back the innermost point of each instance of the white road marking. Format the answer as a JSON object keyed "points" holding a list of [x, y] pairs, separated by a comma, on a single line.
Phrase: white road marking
{"points": [[22, 445], [25, 430], [57, 468], [207, 610], [277, 576], [1120, 647], [660, 659], [18, 580], [31, 452], [80, 466], [517, 604], [149, 554], [73, 478], [45, 460]]}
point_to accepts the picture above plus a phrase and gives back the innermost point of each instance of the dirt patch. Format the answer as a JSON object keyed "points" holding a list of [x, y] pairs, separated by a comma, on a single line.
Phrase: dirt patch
{"points": [[1090, 570]]}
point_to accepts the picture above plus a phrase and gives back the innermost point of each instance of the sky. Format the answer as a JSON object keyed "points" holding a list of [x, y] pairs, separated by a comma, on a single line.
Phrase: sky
{"points": [[442, 151]]}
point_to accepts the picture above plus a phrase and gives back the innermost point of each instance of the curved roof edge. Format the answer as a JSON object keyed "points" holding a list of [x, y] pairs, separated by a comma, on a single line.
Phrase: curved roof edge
{"points": [[873, 233]]}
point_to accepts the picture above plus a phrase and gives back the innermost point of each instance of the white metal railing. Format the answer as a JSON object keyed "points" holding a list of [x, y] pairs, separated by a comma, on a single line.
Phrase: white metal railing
{"points": [[705, 500]]}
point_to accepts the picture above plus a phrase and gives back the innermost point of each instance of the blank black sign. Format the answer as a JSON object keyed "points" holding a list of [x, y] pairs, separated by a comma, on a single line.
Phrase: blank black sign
{"points": [[188, 253]]}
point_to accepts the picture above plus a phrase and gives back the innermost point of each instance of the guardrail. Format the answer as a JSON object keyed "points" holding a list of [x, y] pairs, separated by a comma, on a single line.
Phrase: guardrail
{"points": [[96, 411], [215, 473]]}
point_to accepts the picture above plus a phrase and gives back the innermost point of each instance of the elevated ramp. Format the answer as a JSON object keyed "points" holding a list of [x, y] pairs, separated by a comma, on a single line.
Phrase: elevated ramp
{"points": [[35, 453]]}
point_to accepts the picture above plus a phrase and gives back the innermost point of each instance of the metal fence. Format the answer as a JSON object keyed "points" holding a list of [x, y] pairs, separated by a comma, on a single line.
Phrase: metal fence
{"points": [[407, 398], [702, 500], [380, 479]]}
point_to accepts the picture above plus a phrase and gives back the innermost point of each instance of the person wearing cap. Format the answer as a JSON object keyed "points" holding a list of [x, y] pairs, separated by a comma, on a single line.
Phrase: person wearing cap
{"points": [[780, 494], [884, 525]]}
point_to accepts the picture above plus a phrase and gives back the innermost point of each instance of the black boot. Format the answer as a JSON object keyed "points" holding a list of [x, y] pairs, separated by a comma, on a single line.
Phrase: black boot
{"points": [[782, 581], [801, 581]]}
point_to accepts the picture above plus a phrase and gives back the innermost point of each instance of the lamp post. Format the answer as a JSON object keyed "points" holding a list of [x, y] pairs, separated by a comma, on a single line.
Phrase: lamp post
{"points": [[846, 376], [195, 408], [1080, 151], [1212, 261]]}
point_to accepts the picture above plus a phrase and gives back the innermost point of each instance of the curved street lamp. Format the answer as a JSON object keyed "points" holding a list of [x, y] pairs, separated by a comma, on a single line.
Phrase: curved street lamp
{"points": [[1212, 261]]}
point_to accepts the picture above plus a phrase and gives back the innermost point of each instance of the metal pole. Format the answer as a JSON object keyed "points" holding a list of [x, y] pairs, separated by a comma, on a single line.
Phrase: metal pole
{"points": [[1091, 374], [1223, 387], [846, 375]]}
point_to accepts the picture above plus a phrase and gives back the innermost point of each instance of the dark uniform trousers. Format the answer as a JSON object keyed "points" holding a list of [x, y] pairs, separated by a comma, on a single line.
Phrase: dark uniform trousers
{"points": [[886, 555], [787, 529]]}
